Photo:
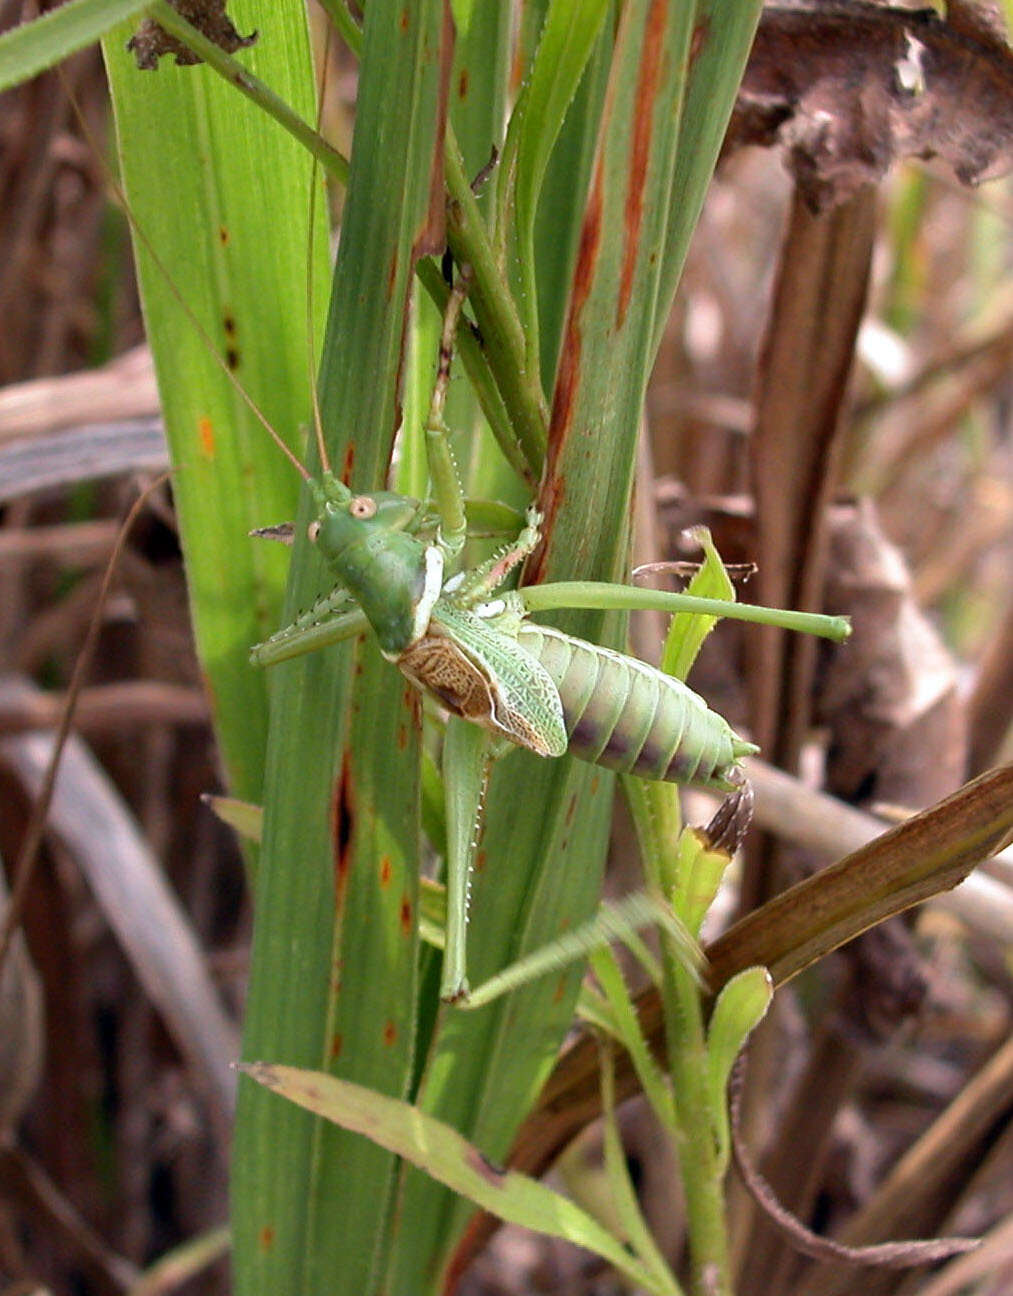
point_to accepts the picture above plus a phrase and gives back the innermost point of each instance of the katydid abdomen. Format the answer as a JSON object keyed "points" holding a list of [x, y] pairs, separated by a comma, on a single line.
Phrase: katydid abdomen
{"points": [[624, 714]]}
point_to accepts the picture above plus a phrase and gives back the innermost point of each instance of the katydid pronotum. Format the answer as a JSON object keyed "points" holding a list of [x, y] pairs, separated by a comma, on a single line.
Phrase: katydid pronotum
{"points": [[397, 566]]}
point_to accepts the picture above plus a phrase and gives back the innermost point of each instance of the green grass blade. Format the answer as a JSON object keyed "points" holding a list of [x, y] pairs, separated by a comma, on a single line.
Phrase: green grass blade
{"points": [[334, 952], [562, 199], [220, 195], [568, 37], [624, 1194], [626, 1028], [616, 920], [34, 46], [441, 1152]]}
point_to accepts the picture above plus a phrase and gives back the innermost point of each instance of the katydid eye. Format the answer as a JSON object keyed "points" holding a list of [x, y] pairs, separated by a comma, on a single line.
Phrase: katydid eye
{"points": [[313, 530], [362, 507]]}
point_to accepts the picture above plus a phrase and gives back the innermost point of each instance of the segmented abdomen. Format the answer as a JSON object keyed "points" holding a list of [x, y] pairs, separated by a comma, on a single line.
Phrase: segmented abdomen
{"points": [[625, 714]]}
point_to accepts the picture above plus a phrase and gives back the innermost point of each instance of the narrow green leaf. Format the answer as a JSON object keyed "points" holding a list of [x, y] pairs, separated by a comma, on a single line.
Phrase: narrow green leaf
{"points": [[183, 1263], [334, 965], [223, 262], [443, 1154], [624, 1195], [687, 633], [569, 35], [739, 1009], [34, 46], [615, 920], [563, 198], [626, 1027]]}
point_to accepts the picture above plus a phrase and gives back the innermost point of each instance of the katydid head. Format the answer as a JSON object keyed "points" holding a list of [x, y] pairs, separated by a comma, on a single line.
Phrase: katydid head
{"points": [[345, 519]]}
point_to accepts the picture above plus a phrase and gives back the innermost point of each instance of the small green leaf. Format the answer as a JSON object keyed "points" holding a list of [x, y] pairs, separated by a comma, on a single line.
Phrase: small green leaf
{"points": [[443, 1154], [687, 633], [242, 817], [740, 1007], [699, 870]]}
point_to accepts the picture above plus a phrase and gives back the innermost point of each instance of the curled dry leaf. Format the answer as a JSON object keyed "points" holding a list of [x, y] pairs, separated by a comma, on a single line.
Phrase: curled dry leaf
{"points": [[891, 701], [848, 88]]}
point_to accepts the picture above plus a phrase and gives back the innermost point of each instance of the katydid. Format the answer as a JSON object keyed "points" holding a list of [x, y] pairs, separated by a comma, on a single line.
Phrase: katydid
{"points": [[457, 636]]}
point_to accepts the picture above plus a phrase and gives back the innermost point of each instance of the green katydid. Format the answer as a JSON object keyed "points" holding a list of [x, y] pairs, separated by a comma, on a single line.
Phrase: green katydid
{"points": [[396, 562]]}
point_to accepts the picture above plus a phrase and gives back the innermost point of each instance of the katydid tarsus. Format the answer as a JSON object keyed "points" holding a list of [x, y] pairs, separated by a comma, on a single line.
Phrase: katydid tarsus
{"points": [[459, 637]]}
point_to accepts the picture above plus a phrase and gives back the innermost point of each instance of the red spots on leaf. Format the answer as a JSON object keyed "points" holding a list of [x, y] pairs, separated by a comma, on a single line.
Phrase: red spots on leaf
{"points": [[224, 237], [405, 916], [643, 125], [232, 358], [480, 858], [265, 1237], [386, 868], [389, 1033], [229, 324], [402, 737], [342, 825], [336, 1045], [404, 20], [463, 82], [570, 811], [348, 463], [206, 435]]}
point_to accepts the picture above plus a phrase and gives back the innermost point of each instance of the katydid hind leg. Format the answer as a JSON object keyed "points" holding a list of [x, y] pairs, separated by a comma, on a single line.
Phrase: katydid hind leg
{"points": [[467, 759]]}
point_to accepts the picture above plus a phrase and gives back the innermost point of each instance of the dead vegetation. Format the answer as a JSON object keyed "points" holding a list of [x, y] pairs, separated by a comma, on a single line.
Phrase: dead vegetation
{"points": [[834, 398]]}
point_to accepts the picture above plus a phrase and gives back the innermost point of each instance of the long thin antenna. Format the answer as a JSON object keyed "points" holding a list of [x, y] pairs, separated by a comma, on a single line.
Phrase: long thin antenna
{"points": [[318, 423], [162, 269]]}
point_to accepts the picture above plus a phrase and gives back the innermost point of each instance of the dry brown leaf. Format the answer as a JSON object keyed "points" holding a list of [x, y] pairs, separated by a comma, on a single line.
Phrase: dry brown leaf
{"points": [[847, 89]]}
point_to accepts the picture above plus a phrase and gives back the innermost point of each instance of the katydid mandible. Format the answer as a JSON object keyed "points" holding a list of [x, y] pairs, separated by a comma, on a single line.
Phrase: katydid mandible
{"points": [[471, 646]]}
